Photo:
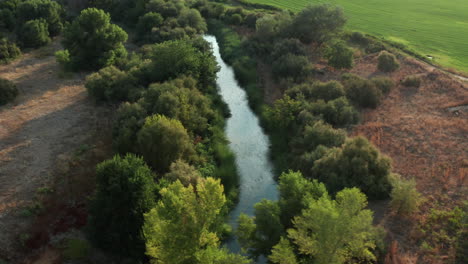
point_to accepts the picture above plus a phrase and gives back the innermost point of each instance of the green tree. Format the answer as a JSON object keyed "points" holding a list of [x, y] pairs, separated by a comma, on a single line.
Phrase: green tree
{"points": [[110, 84], [405, 197], [146, 24], [93, 42], [8, 91], [192, 18], [318, 90], [387, 62], [50, 11], [125, 190], [183, 228], [260, 233], [290, 66], [183, 172], [356, 164], [8, 51], [129, 120], [339, 55], [34, 34], [162, 141], [333, 231], [317, 23], [283, 253], [362, 92], [295, 192]]}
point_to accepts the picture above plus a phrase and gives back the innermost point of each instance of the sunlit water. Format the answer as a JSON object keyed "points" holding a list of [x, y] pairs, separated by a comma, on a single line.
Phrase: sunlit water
{"points": [[249, 144]]}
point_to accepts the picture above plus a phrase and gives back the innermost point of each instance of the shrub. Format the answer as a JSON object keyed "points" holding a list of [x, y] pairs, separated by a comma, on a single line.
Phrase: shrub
{"points": [[162, 141], [235, 19], [125, 190], [288, 46], [337, 112], [405, 197], [292, 66], [318, 90], [63, 59], [8, 51], [184, 173], [362, 92], [130, 118], [7, 19], [356, 164], [387, 62], [412, 81], [93, 42], [34, 34], [8, 91], [110, 84], [384, 84], [49, 10], [146, 23], [339, 55]]}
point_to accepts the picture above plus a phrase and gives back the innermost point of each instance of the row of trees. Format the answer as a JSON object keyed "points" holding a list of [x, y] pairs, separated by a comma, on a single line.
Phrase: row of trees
{"points": [[164, 194]]}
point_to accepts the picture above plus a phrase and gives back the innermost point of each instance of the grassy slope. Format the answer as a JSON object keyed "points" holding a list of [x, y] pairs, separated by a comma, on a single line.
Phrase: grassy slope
{"points": [[431, 27]]}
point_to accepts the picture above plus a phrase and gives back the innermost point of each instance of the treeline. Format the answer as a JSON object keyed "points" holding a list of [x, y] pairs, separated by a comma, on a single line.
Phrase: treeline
{"points": [[321, 216], [166, 192]]}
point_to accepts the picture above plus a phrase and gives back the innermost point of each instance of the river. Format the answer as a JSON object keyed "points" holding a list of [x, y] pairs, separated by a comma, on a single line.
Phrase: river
{"points": [[249, 144]]}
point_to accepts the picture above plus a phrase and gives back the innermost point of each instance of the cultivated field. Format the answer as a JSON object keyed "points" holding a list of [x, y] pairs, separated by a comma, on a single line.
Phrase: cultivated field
{"points": [[438, 28]]}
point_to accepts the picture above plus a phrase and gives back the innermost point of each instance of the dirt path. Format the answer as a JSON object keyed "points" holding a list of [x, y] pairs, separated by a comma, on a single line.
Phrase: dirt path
{"points": [[51, 116]]}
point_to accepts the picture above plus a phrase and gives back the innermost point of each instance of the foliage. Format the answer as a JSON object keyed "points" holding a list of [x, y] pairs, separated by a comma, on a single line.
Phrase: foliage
{"points": [[362, 92], [147, 22], [412, 81], [7, 19], [162, 141], [50, 11], [339, 55], [174, 58], [93, 42], [8, 51], [387, 62], [317, 90], [334, 231], [446, 43], [291, 66], [8, 91], [76, 249], [184, 225], [33, 34], [317, 23], [180, 99], [262, 232], [110, 84], [405, 197], [129, 120], [288, 46], [183, 172], [125, 190], [384, 84], [356, 164]]}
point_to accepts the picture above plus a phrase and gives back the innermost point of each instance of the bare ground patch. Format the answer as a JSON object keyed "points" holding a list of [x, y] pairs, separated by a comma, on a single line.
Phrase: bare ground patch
{"points": [[51, 118]]}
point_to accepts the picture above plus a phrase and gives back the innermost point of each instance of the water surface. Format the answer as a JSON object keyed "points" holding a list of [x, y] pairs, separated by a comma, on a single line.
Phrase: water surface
{"points": [[249, 144]]}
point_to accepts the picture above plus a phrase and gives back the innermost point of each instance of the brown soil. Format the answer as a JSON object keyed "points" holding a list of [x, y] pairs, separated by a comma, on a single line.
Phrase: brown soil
{"points": [[40, 133]]}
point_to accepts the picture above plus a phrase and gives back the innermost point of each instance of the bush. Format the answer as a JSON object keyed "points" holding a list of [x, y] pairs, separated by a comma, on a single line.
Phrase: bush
{"points": [[7, 20], [130, 118], [405, 197], [125, 190], [362, 92], [356, 164], [8, 51], [288, 46], [318, 90], [387, 62], [384, 84], [339, 55], [93, 42], [162, 141], [292, 66], [34, 34], [412, 81], [110, 84], [146, 23], [49, 10], [235, 19], [8, 91]]}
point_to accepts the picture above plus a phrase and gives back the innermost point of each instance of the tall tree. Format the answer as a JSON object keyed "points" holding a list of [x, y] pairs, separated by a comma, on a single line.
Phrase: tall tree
{"points": [[125, 190], [183, 227], [331, 231], [92, 41]]}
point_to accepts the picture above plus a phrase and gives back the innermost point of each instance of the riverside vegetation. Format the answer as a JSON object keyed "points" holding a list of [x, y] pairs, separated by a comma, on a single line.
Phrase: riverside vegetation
{"points": [[165, 194]]}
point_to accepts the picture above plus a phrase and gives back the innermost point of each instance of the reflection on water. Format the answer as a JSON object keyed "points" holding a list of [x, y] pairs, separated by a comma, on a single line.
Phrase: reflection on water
{"points": [[249, 144]]}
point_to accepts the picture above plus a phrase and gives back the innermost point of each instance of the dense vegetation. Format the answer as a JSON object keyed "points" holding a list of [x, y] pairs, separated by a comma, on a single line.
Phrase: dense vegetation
{"points": [[8, 91], [428, 31]]}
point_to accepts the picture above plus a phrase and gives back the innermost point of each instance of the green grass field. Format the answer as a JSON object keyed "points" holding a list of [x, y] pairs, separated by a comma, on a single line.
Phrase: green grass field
{"points": [[438, 28]]}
